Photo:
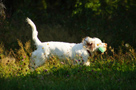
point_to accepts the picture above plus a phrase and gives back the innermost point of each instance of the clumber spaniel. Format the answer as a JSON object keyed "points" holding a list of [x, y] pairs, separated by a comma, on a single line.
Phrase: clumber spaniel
{"points": [[62, 49]]}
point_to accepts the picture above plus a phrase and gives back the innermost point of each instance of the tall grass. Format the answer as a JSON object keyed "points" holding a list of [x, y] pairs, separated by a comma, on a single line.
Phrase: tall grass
{"points": [[109, 71]]}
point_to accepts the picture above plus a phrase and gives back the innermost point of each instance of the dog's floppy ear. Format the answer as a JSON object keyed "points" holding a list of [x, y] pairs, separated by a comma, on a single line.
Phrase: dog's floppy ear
{"points": [[88, 43]]}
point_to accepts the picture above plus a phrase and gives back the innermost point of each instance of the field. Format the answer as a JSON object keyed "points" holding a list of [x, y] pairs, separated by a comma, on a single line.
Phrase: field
{"points": [[111, 71], [113, 21]]}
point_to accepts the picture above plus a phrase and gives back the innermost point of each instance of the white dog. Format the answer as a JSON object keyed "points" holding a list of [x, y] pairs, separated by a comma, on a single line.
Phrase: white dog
{"points": [[62, 49]]}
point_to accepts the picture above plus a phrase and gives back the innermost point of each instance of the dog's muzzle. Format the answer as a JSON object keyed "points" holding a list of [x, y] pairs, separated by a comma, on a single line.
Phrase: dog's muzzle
{"points": [[101, 50]]}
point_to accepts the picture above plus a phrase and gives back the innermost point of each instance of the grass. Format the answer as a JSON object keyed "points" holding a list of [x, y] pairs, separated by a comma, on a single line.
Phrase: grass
{"points": [[111, 71], [115, 70]]}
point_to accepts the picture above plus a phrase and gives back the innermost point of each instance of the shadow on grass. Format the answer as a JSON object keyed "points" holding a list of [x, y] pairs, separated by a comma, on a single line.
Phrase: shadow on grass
{"points": [[71, 78]]}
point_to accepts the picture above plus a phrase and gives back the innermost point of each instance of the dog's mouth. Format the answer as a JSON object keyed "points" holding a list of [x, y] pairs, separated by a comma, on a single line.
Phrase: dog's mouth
{"points": [[100, 50]]}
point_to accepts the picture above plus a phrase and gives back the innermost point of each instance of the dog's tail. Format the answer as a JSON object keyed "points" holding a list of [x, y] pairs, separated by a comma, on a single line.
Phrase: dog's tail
{"points": [[34, 32]]}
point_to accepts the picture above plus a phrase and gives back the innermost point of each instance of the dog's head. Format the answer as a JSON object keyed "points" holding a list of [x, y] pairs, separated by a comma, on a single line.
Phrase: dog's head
{"points": [[93, 44]]}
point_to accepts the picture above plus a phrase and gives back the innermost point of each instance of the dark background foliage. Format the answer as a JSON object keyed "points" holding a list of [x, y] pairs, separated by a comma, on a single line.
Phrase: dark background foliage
{"points": [[113, 21]]}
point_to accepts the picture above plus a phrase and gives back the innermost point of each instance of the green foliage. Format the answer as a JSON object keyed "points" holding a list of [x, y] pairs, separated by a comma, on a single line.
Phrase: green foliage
{"points": [[103, 7], [76, 7]]}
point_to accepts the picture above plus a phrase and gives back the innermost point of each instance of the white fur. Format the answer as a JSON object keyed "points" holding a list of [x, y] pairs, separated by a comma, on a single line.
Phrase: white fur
{"points": [[61, 49]]}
